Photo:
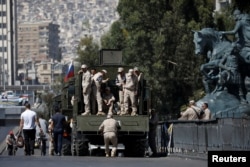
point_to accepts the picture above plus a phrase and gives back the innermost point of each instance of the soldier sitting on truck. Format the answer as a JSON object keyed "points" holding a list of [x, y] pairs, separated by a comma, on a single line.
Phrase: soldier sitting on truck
{"points": [[98, 79], [108, 101]]}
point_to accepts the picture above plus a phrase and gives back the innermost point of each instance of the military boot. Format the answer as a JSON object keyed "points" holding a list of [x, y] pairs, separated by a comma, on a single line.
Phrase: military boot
{"points": [[86, 113], [133, 113], [100, 113], [124, 113]]}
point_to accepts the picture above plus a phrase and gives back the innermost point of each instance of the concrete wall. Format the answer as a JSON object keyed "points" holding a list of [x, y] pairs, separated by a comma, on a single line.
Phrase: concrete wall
{"points": [[10, 115]]}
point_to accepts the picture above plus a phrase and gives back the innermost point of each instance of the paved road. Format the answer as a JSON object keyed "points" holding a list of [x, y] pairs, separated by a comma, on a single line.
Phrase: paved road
{"points": [[94, 161], [68, 161]]}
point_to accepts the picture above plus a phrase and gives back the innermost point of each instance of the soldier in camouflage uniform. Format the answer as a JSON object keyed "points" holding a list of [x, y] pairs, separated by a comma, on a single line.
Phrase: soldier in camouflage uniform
{"points": [[108, 101], [130, 93], [120, 81], [98, 79], [86, 88], [109, 127]]}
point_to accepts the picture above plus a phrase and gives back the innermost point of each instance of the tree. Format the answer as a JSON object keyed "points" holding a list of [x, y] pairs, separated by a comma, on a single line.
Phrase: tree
{"points": [[158, 40], [88, 51], [47, 98], [115, 38]]}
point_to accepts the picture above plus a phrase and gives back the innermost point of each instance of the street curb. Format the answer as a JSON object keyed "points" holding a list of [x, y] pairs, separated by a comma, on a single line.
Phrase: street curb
{"points": [[3, 144]]}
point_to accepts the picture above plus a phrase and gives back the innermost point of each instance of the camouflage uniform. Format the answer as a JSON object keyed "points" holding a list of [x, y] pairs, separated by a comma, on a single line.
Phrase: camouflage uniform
{"points": [[86, 90], [97, 81], [92, 95], [130, 92], [120, 81], [109, 128], [191, 113], [108, 101]]}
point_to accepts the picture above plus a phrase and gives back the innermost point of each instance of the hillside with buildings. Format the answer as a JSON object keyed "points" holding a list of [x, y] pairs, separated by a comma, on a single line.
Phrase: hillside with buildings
{"points": [[76, 18]]}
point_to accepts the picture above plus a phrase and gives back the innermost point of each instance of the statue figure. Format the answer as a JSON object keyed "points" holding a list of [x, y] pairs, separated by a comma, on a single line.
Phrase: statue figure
{"points": [[227, 66], [242, 33], [212, 44], [229, 75]]}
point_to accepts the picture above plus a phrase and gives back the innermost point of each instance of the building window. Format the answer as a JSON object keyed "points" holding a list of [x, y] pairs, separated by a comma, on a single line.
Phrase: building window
{"points": [[2, 13], [3, 1], [3, 37], [3, 49], [3, 25], [45, 67], [46, 80]]}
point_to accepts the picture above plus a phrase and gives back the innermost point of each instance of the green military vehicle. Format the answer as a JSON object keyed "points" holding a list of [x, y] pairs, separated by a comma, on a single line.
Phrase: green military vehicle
{"points": [[84, 134]]}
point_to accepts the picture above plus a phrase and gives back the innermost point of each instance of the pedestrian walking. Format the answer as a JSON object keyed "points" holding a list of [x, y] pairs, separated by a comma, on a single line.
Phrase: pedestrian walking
{"points": [[58, 124], [51, 138], [28, 123], [86, 88], [109, 128], [41, 135]]}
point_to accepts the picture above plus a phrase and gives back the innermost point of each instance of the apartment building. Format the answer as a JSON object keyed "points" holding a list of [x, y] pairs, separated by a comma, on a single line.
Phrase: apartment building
{"points": [[8, 41], [37, 42]]}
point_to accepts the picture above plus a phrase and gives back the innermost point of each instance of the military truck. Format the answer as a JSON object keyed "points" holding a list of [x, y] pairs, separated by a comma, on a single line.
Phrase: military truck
{"points": [[134, 129]]}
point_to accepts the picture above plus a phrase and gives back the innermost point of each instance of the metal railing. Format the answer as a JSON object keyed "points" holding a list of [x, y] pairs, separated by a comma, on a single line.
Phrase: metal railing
{"points": [[202, 136], [26, 87]]}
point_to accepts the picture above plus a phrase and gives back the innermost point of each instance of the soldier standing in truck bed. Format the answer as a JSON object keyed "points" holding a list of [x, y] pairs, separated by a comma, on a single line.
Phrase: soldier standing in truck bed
{"points": [[86, 88], [98, 79], [120, 81], [93, 71], [130, 93]]}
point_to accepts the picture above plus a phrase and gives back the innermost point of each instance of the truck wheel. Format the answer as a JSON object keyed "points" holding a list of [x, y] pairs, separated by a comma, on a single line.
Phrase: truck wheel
{"points": [[73, 149], [66, 149], [82, 148]]}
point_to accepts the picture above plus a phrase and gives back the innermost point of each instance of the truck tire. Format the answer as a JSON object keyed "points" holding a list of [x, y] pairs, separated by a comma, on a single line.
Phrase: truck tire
{"points": [[66, 149], [82, 148], [73, 149], [135, 148]]}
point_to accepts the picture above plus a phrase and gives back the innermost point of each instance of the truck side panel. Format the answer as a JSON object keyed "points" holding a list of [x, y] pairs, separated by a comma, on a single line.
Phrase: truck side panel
{"points": [[128, 124]]}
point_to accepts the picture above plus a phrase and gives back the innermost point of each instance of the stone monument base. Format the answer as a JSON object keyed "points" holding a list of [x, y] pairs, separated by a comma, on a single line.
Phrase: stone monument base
{"points": [[224, 105]]}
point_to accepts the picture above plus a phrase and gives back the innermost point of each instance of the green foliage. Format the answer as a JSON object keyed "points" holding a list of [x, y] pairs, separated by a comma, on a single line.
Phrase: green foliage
{"points": [[88, 51], [156, 36], [116, 40], [47, 98]]}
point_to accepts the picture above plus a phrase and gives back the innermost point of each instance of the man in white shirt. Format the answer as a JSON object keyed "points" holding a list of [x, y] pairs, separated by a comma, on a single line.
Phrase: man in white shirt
{"points": [[28, 125]]}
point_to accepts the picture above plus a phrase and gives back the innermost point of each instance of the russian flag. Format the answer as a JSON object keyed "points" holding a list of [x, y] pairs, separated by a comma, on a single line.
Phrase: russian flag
{"points": [[70, 72]]}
